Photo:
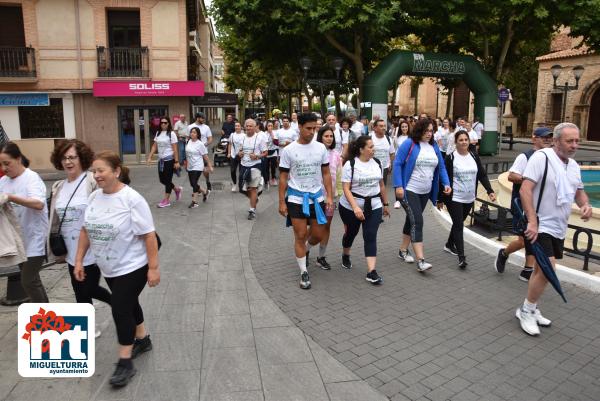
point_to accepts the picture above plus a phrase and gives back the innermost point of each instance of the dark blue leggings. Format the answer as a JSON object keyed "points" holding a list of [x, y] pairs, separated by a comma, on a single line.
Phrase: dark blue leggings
{"points": [[414, 206], [370, 226]]}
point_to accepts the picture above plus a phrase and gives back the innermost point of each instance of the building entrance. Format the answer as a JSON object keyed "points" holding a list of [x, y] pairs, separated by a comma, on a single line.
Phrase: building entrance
{"points": [[137, 127], [593, 131]]}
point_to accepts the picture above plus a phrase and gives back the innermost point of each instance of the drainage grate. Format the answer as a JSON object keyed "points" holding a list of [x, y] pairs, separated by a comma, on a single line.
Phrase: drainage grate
{"points": [[217, 186]]}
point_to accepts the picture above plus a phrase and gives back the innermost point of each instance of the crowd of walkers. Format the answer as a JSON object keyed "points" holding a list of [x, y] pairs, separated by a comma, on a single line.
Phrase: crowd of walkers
{"points": [[99, 226]]}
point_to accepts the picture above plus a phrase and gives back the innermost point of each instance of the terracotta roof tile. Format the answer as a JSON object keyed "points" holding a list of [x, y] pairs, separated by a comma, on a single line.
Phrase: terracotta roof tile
{"points": [[583, 50]]}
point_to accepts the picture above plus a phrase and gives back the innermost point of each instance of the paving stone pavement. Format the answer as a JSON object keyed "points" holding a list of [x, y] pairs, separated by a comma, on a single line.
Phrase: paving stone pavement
{"points": [[217, 335], [443, 335]]}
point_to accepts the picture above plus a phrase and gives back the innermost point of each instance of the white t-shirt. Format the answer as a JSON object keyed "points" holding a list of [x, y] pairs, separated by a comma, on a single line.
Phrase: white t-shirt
{"points": [[357, 128], [473, 136], [252, 144], [71, 225], [115, 224], [464, 178], [519, 165], [304, 163], [421, 178], [441, 135], [294, 125], [553, 218], [383, 148], [236, 141], [34, 223], [270, 144], [286, 136], [341, 139], [478, 127], [163, 144], [194, 152], [205, 132], [365, 182], [181, 128], [401, 139]]}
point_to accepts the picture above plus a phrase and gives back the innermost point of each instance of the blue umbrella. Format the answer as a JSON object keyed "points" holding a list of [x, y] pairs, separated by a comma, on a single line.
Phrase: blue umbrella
{"points": [[542, 260]]}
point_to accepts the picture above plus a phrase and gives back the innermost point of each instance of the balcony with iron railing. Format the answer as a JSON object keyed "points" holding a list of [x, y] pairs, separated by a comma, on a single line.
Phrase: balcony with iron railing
{"points": [[123, 62], [17, 64]]}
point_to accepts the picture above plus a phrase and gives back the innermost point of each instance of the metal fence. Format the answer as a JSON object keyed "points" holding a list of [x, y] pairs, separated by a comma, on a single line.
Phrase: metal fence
{"points": [[17, 62], [499, 219], [122, 61]]}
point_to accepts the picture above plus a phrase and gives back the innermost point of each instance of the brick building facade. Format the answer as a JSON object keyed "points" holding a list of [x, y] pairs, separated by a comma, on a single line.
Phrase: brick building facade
{"points": [[582, 106]]}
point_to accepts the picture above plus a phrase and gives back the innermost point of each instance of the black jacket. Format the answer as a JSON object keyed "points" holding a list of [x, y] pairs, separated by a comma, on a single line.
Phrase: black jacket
{"points": [[481, 176]]}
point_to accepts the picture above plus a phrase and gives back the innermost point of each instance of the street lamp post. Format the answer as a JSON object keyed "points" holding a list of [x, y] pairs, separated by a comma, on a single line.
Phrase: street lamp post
{"points": [[306, 63], [577, 73]]}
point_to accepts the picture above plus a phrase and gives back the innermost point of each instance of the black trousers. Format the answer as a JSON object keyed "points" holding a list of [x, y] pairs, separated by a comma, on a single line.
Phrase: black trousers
{"points": [[126, 309], [458, 213], [414, 206], [89, 288], [233, 167], [271, 167], [194, 176], [370, 226], [166, 175]]}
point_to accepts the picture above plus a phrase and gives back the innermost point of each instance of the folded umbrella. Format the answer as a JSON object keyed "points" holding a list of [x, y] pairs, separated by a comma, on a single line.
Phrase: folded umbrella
{"points": [[541, 258]]}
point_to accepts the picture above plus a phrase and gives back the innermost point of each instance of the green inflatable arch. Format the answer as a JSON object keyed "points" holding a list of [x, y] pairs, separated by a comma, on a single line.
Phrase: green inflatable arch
{"points": [[401, 62]]}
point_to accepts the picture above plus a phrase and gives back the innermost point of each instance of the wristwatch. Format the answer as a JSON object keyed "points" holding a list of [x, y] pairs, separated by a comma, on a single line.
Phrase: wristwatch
{"points": [[386, 204]]}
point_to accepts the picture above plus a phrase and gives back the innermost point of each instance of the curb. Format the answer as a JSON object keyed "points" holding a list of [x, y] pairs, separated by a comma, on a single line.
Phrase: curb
{"points": [[491, 247]]}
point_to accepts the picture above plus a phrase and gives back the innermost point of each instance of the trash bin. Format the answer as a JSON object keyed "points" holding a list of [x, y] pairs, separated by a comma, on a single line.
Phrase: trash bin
{"points": [[489, 144]]}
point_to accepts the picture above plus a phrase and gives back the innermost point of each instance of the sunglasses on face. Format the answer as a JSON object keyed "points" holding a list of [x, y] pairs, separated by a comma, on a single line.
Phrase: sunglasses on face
{"points": [[164, 122]]}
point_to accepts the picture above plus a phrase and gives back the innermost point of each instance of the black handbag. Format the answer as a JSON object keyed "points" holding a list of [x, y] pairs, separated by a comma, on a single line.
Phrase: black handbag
{"points": [[56, 240]]}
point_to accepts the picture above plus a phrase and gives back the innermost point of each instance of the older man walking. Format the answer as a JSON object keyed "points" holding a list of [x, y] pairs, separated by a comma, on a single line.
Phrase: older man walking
{"points": [[552, 181]]}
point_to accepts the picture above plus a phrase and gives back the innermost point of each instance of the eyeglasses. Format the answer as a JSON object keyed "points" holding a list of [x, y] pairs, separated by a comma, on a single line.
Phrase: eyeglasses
{"points": [[69, 158], [164, 122], [428, 130]]}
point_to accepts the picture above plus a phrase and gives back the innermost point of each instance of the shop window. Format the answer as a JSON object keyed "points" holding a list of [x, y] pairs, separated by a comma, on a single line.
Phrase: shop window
{"points": [[556, 107], [42, 121]]}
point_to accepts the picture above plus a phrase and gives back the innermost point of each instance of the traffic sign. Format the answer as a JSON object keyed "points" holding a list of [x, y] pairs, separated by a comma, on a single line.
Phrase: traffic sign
{"points": [[503, 94]]}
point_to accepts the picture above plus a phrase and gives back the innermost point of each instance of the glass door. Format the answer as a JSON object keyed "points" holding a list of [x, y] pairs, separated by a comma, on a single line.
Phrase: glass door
{"points": [[137, 127]]}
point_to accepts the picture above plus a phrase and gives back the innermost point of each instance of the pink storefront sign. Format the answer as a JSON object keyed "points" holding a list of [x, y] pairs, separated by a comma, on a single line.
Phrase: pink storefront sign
{"points": [[148, 88]]}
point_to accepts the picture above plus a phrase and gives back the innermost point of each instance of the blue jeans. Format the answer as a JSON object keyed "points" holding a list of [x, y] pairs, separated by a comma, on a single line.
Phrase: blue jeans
{"points": [[181, 147]]}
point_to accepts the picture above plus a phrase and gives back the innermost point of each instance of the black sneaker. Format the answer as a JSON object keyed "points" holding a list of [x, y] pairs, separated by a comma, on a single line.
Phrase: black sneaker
{"points": [[206, 195], [500, 263], [451, 248], [193, 205], [323, 264], [251, 214], [374, 278], [525, 274], [304, 281], [140, 346], [462, 262], [122, 375], [346, 263]]}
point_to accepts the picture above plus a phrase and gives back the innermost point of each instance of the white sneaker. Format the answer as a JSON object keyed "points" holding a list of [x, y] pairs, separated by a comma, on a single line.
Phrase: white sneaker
{"points": [[528, 321], [234, 188], [405, 256], [423, 266], [397, 205], [541, 320]]}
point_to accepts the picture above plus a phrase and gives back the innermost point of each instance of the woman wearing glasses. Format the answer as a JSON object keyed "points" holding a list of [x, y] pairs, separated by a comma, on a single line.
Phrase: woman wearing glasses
{"points": [[68, 203], [165, 143], [418, 169]]}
